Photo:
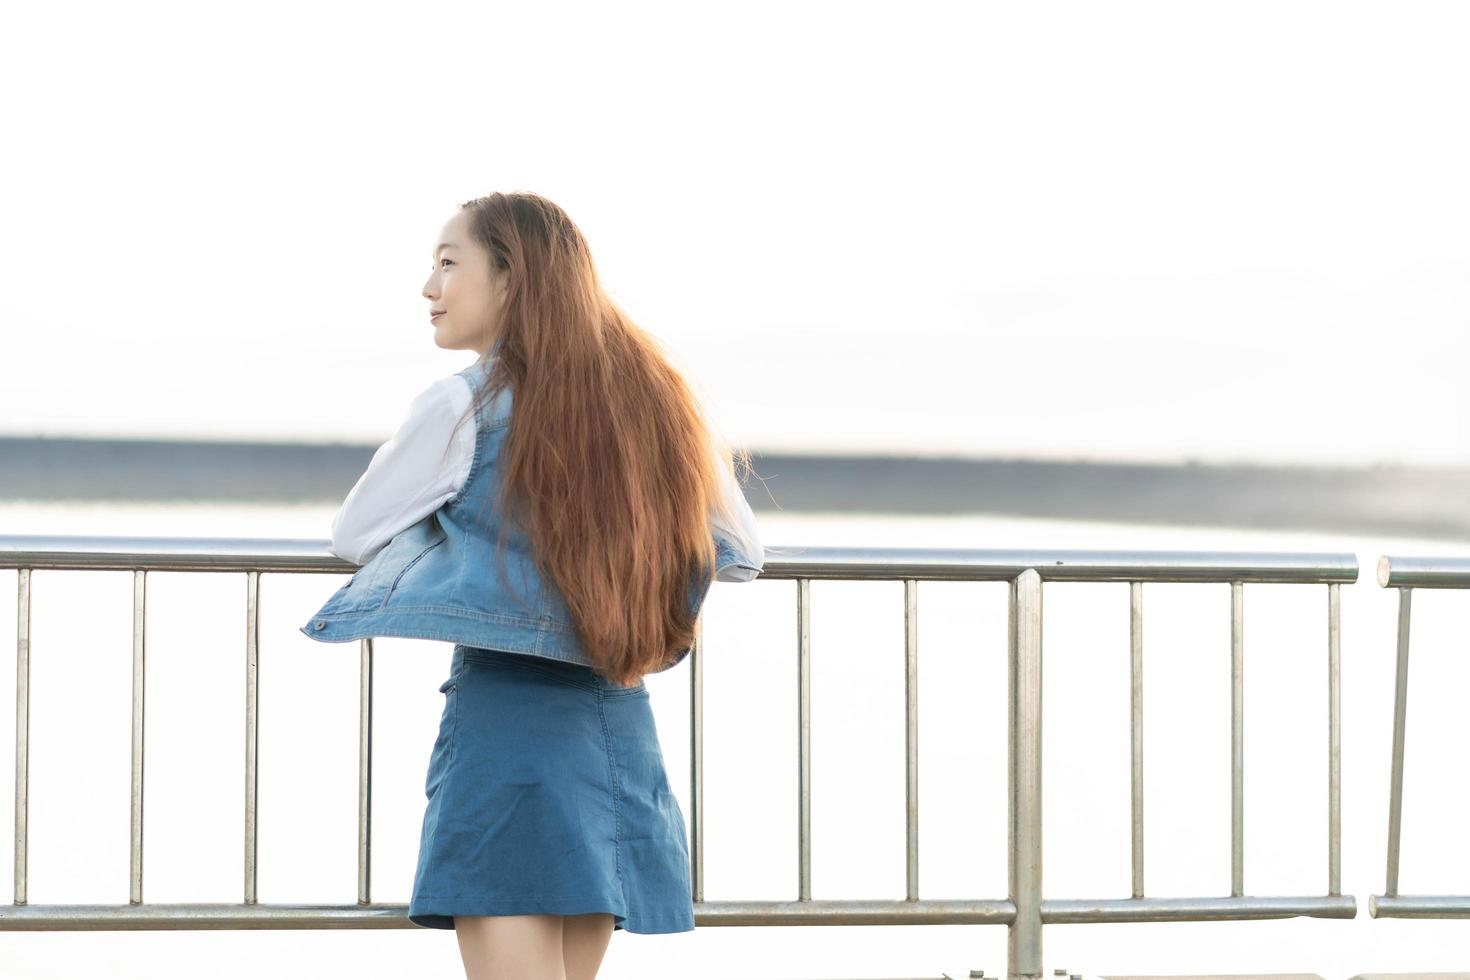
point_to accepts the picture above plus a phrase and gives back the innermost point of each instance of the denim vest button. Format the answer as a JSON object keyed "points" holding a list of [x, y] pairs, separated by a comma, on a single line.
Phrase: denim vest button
{"points": [[319, 624]]}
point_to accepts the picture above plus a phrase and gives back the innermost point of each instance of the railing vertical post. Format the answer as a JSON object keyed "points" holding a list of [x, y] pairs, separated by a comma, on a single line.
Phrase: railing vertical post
{"points": [[1023, 775], [1135, 643], [252, 726], [365, 771], [804, 739], [1237, 740], [911, 733], [696, 761], [22, 727], [1400, 707], [1334, 739], [135, 830]]}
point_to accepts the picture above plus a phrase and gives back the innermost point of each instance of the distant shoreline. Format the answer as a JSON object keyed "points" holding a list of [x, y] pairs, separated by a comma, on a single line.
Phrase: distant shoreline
{"points": [[1380, 499]]}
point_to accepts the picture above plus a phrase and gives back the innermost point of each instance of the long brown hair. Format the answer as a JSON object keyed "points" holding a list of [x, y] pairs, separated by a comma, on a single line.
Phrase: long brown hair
{"points": [[610, 464]]}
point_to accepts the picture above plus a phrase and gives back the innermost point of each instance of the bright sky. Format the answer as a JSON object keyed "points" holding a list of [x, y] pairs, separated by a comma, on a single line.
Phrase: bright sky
{"points": [[1114, 231]]}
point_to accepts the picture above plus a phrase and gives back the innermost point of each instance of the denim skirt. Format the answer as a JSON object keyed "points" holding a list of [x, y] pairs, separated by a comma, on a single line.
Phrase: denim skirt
{"points": [[548, 795]]}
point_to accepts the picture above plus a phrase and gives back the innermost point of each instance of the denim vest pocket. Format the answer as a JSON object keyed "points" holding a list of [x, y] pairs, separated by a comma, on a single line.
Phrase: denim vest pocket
{"points": [[440, 539], [372, 584]]}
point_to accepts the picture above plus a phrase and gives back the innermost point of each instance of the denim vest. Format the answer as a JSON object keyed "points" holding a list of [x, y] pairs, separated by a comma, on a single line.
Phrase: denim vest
{"points": [[437, 579]]}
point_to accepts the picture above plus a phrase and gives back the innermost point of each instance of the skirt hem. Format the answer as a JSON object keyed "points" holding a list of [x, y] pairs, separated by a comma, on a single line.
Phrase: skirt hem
{"points": [[453, 905]]}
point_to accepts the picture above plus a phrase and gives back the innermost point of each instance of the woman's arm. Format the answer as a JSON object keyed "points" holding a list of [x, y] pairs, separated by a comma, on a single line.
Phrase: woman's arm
{"points": [[411, 475]]}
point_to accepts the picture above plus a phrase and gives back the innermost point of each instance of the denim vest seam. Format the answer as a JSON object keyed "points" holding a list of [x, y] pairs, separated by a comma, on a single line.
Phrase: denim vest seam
{"points": [[407, 632], [416, 631], [482, 428], [508, 619], [479, 445], [484, 425]]}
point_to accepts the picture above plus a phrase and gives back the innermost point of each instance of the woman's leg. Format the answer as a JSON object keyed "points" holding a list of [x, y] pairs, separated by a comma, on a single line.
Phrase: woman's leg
{"points": [[510, 947], [584, 940]]}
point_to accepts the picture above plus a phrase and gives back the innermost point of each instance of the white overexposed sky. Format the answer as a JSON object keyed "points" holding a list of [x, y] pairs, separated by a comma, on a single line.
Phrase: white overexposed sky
{"points": [[1224, 231]]}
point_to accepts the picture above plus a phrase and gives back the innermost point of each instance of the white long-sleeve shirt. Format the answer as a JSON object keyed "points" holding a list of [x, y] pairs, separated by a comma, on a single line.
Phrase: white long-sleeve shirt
{"points": [[411, 476]]}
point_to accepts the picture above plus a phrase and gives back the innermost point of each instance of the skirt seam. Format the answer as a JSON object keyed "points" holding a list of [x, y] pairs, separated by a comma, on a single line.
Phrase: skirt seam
{"points": [[454, 732], [612, 771]]}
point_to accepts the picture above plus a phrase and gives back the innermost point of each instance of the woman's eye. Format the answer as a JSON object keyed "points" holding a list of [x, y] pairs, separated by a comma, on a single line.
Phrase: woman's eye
{"points": [[445, 260]]}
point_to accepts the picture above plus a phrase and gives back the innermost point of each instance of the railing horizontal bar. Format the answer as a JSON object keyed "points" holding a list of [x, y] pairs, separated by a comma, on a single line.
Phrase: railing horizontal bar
{"points": [[1197, 909], [70, 918], [162, 554], [1419, 906], [836, 912], [943, 564], [824, 912], [73, 918], [1407, 571]]}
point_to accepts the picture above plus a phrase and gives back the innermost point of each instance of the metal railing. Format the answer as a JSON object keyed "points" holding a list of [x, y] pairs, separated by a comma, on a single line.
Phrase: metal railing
{"points": [[1406, 574], [1024, 911]]}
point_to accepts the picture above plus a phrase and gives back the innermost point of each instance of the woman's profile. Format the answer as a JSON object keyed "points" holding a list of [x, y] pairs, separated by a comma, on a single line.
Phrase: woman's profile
{"points": [[558, 510]]}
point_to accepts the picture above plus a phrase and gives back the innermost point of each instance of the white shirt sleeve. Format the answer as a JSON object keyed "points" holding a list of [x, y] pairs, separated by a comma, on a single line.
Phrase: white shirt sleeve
{"points": [[411, 475], [746, 533]]}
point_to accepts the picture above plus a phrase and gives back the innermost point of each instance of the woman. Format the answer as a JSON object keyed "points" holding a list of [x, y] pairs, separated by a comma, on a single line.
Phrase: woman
{"points": [[565, 548]]}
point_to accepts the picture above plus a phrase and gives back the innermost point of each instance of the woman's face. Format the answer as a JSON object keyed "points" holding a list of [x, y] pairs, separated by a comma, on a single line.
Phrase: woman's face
{"points": [[465, 296]]}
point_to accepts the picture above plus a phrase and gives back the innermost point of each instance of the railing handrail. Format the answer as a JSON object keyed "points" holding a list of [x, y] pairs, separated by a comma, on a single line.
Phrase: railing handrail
{"points": [[845, 563], [1424, 572]]}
